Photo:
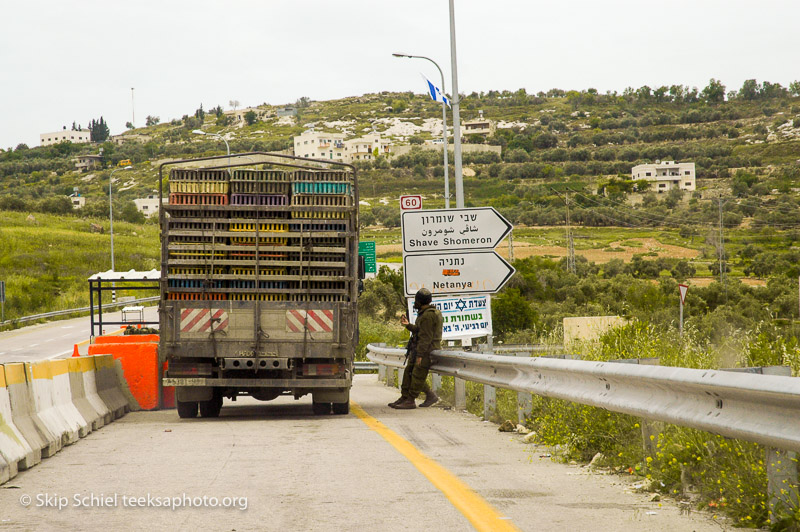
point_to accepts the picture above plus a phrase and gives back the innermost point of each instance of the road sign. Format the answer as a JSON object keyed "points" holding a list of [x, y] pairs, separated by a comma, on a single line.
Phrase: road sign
{"points": [[2, 291], [463, 317], [453, 229], [367, 249], [410, 203], [476, 272], [683, 288]]}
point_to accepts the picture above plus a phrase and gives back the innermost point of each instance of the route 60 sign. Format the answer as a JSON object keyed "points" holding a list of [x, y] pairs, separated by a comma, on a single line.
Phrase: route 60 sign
{"points": [[410, 203]]}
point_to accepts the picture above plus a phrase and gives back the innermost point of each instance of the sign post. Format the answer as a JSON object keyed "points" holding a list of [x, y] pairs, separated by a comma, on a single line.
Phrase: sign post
{"points": [[683, 288], [367, 249]]}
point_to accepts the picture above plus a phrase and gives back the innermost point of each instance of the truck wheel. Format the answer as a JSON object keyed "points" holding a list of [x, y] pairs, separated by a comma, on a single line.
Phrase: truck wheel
{"points": [[321, 409], [187, 409], [341, 408], [211, 407]]}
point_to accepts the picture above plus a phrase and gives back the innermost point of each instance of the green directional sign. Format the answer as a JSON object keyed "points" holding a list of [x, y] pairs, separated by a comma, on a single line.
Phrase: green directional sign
{"points": [[367, 249]]}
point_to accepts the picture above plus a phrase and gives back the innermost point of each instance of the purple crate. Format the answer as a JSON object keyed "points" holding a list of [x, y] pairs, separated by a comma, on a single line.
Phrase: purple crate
{"points": [[269, 200]]}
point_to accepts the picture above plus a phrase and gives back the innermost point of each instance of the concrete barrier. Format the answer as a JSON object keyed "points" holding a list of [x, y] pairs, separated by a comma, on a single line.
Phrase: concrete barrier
{"points": [[133, 404], [5, 470], [42, 392], [138, 355], [108, 386], [79, 399], [87, 373], [13, 448], [62, 398], [43, 442]]}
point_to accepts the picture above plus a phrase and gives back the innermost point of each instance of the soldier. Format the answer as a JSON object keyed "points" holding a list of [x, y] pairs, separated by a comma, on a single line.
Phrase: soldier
{"points": [[426, 337]]}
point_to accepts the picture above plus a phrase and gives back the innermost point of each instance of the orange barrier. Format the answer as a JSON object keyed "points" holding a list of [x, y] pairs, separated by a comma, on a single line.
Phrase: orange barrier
{"points": [[138, 355]]}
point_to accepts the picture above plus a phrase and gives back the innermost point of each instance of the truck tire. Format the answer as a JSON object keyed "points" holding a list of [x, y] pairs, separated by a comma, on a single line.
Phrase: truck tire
{"points": [[187, 409], [341, 409], [212, 407], [321, 409]]}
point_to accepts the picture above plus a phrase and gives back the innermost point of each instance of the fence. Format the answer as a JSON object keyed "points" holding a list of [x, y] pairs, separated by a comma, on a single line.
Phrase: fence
{"points": [[57, 313]]}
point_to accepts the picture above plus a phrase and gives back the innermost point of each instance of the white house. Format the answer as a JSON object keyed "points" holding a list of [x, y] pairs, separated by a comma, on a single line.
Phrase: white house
{"points": [[666, 175], [333, 146], [84, 163], [78, 202], [149, 205], [238, 114], [69, 135], [479, 126]]}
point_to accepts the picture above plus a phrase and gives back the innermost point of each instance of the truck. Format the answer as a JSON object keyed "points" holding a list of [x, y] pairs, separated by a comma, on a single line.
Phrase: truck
{"points": [[260, 277]]}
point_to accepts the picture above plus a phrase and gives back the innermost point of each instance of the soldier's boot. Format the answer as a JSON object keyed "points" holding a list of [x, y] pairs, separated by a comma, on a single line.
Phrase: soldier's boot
{"points": [[430, 399], [396, 402], [406, 404]]}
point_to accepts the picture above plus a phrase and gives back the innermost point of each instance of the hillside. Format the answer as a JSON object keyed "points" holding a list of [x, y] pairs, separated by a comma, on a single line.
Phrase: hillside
{"points": [[557, 147]]}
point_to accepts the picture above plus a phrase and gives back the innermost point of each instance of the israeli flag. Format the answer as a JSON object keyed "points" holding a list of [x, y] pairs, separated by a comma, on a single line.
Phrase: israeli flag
{"points": [[436, 94]]}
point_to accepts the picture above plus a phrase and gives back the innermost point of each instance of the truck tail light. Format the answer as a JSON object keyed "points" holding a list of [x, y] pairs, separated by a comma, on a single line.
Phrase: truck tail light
{"points": [[315, 370], [193, 369]]}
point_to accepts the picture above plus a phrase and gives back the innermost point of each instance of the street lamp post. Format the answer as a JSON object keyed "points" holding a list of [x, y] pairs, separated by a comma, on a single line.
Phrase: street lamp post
{"points": [[111, 226], [444, 127], [228, 148], [201, 132]]}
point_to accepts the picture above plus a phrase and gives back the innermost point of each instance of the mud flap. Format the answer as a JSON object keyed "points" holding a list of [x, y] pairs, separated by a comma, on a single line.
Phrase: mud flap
{"points": [[336, 395], [194, 393]]}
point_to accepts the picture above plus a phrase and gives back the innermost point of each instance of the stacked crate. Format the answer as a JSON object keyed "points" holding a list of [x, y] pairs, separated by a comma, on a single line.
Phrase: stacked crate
{"points": [[263, 235], [322, 261], [195, 252], [264, 192]]}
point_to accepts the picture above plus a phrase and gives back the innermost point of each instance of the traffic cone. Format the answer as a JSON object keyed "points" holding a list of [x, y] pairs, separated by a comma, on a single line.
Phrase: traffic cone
{"points": [[75, 352]]}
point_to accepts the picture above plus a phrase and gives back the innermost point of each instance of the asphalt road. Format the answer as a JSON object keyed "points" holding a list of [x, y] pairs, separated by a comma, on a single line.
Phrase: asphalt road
{"points": [[55, 339], [278, 467]]}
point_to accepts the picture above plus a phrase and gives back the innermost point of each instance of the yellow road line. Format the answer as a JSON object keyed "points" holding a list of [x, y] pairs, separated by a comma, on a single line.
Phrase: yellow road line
{"points": [[479, 512]]}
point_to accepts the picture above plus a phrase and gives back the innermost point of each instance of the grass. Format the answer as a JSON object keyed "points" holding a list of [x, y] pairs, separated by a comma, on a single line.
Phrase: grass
{"points": [[721, 475], [46, 263]]}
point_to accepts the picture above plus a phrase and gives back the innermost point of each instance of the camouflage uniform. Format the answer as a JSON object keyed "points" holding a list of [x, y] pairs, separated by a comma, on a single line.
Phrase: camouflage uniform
{"points": [[428, 330]]}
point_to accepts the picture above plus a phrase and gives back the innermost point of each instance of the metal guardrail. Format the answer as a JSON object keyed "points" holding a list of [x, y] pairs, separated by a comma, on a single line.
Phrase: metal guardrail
{"points": [[757, 408], [365, 366], [538, 348], [75, 310]]}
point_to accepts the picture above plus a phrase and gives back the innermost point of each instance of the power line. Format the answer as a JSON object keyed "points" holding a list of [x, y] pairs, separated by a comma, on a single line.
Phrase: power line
{"points": [[682, 221]]}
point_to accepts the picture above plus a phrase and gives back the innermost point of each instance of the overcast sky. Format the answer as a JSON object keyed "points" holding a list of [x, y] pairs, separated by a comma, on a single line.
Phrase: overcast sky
{"points": [[64, 61]]}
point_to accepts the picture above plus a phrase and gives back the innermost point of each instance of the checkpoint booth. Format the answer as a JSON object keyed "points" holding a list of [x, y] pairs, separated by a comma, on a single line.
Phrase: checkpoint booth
{"points": [[106, 284], [136, 354]]}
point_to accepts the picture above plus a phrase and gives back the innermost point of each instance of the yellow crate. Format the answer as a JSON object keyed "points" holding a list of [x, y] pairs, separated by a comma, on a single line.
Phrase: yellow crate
{"points": [[249, 272], [265, 226]]}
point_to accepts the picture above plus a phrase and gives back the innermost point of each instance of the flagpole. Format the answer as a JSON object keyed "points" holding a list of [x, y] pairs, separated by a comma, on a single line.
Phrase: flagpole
{"points": [[444, 126]]}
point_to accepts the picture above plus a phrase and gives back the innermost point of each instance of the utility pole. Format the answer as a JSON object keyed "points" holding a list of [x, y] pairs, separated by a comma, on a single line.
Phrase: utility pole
{"points": [[721, 243], [456, 101], [133, 110], [570, 243]]}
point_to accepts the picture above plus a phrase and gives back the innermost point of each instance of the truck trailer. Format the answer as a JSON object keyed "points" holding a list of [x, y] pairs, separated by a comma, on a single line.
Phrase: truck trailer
{"points": [[260, 277]]}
